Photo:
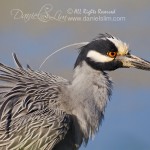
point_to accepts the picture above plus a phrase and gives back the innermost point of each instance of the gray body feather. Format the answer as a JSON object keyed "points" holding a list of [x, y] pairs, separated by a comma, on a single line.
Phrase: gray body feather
{"points": [[40, 111]]}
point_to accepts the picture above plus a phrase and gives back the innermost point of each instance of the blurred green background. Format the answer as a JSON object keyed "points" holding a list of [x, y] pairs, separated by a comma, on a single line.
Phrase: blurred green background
{"points": [[127, 123]]}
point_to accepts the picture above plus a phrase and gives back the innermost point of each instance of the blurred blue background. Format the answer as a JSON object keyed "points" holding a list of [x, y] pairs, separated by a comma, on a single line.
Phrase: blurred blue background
{"points": [[127, 123]]}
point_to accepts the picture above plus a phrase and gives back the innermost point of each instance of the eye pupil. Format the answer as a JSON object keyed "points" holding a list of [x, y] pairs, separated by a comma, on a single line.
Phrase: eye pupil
{"points": [[112, 53]]}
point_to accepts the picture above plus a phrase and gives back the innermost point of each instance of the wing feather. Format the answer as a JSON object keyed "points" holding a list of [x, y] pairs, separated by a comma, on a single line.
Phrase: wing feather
{"points": [[30, 117]]}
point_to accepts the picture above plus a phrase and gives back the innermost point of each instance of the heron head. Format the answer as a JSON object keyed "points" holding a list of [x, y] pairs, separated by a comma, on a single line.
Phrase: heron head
{"points": [[107, 53]]}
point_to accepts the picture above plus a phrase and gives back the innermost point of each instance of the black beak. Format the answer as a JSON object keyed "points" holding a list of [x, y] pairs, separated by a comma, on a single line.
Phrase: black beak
{"points": [[129, 61]]}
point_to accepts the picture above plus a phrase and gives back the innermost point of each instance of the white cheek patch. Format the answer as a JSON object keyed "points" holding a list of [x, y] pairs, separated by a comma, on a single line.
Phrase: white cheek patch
{"points": [[97, 57]]}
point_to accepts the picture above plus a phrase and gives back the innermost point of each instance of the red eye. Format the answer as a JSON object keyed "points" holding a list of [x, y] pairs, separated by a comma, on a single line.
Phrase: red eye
{"points": [[112, 54]]}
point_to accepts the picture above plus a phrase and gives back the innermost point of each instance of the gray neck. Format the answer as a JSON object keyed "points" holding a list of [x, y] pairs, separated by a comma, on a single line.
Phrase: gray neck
{"points": [[90, 90]]}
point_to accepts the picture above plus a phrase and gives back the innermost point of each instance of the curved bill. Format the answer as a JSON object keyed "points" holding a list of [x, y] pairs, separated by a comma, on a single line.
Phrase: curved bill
{"points": [[135, 62]]}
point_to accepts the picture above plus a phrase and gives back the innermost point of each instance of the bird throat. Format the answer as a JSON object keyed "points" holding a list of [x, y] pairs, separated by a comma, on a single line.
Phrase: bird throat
{"points": [[90, 91]]}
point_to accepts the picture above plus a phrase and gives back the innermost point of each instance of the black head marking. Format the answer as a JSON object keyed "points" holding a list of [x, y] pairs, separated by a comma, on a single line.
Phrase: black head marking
{"points": [[100, 44]]}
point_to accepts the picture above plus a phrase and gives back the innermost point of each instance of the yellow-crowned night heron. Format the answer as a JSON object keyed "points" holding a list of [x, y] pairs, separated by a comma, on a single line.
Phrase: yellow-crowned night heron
{"points": [[41, 111]]}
